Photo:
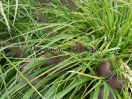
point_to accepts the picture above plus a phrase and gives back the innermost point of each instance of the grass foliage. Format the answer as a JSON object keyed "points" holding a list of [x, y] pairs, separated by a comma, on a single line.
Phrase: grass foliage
{"points": [[102, 26]]}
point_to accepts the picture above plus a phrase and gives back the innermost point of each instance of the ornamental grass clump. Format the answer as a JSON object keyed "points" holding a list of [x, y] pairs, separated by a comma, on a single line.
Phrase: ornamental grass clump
{"points": [[53, 49]]}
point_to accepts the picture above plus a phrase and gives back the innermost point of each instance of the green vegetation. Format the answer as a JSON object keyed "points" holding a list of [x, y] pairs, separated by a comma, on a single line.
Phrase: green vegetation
{"points": [[88, 31]]}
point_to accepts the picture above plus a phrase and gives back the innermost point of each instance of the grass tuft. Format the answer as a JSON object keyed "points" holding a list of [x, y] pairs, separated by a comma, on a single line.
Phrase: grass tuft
{"points": [[52, 49]]}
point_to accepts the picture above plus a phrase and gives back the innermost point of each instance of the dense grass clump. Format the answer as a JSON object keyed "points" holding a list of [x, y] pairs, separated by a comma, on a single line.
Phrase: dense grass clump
{"points": [[52, 49]]}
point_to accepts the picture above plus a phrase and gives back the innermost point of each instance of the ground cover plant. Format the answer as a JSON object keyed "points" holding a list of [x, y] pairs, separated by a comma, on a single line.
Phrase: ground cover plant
{"points": [[65, 49]]}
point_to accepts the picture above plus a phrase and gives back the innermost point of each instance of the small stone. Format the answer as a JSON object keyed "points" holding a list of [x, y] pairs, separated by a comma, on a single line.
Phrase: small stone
{"points": [[102, 93], [105, 68], [116, 81]]}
